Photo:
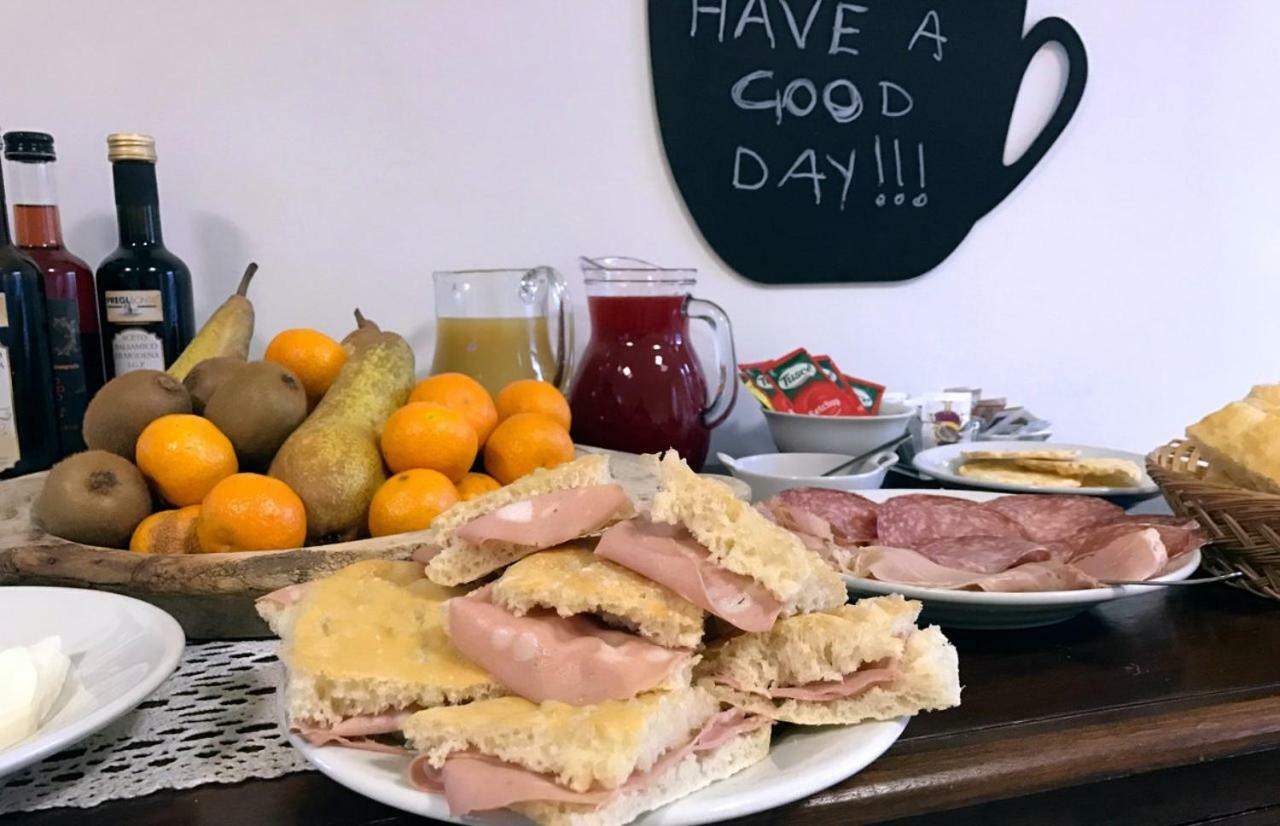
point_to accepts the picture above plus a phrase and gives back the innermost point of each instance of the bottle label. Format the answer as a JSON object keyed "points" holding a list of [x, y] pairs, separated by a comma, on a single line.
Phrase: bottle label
{"points": [[137, 350], [10, 453], [70, 387], [134, 306]]}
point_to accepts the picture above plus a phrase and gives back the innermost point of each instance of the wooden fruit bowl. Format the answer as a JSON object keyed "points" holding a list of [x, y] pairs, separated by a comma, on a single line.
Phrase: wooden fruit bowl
{"points": [[210, 595]]}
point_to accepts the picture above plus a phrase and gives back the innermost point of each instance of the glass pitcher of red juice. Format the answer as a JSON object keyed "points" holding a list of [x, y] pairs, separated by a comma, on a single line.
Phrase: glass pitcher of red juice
{"points": [[639, 386]]}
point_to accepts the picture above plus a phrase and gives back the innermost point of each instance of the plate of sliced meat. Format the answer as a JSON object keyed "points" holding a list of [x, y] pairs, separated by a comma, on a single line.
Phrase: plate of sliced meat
{"points": [[979, 559]]}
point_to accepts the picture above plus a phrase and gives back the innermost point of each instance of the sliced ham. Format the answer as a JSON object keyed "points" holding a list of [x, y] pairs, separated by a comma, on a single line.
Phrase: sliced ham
{"points": [[907, 567], [1133, 555], [543, 656], [670, 556], [1179, 534], [986, 554], [288, 595], [853, 684], [850, 519], [355, 732], [1046, 517], [915, 519], [547, 520], [475, 782]]}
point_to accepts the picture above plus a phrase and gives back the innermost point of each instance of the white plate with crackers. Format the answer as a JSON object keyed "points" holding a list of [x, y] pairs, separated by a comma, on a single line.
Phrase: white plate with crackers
{"points": [[1048, 467]]}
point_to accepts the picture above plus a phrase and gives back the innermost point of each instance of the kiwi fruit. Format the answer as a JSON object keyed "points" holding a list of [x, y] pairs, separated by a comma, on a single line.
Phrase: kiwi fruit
{"points": [[95, 498], [207, 376], [257, 408], [127, 404]]}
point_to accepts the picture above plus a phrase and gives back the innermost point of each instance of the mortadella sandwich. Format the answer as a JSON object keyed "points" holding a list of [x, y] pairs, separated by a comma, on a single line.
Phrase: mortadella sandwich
{"points": [[594, 765], [864, 661], [364, 648], [567, 626], [538, 511], [720, 554]]}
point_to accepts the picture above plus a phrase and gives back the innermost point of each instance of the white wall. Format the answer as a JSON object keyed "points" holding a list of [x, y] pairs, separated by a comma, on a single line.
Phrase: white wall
{"points": [[1125, 288]]}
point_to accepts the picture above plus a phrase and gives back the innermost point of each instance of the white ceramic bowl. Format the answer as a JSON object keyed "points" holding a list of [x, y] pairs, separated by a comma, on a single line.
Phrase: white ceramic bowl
{"points": [[772, 473], [851, 435]]}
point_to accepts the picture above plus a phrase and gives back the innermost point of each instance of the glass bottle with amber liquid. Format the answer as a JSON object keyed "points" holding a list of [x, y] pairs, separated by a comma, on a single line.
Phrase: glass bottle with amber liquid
{"points": [[144, 291], [71, 304], [28, 434]]}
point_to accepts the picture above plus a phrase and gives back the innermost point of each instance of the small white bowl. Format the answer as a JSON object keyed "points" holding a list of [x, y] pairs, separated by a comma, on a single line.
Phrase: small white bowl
{"points": [[851, 435], [772, 473]]}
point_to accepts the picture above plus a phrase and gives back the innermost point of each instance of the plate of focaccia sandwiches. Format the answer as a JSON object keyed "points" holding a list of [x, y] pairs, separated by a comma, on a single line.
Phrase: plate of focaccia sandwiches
{"points": [[980, 559], [555, 656], [1046, 467]]}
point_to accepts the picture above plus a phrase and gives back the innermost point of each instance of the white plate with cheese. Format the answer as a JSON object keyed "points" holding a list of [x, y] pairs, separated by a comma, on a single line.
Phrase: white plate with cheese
{"points": [[802, 761], [943, 463], [117, 651]]}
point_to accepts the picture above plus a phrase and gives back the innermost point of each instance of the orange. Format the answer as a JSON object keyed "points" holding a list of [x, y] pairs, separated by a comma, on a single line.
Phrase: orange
{"points": [[464, 394], [184, 456], [476, 484], [431, 436], [525, 442], [410, 501], [313, 357], [533, 396], [167, 532], [251, 512]]}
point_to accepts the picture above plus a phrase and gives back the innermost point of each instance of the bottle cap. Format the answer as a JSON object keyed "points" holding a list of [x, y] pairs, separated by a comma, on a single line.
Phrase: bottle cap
{"points": [[29, 146], [128, 146]]}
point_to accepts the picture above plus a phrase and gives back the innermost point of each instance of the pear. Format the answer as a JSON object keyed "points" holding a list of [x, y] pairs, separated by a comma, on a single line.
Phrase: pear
{"points": [[226, 333], [332, 459]]}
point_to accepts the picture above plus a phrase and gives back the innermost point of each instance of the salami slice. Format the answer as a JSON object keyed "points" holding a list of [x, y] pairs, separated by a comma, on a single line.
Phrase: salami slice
{"points": [[1048, 518], [1178, 534], [987, 554], [916, 519], [852, 518]]}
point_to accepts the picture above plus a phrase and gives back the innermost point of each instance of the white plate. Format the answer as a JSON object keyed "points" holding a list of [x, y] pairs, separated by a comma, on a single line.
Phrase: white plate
{"points": [[121, 650], [801, 762], [987, 610], [941, 463]]}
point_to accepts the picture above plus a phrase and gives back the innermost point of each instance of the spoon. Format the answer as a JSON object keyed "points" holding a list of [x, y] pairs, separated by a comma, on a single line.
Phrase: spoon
{"points": [[859, 459], [1204, 580]]}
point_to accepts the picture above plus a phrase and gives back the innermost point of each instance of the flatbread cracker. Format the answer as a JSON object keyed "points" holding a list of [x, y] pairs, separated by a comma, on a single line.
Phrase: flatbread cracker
{"points": [[1092, 473], [1006, 473], [1010, 455]]}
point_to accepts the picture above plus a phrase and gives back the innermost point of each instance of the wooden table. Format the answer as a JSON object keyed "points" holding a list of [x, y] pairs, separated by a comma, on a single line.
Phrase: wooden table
{"points": [[1160, 709]]}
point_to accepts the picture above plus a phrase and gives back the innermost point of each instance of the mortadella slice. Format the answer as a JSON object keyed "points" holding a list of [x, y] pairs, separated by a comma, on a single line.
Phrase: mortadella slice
{"points": [[474, 782], [549, 519], [670, 556], [543, 656], [354, 732], [853, 684], [1134, 555]]}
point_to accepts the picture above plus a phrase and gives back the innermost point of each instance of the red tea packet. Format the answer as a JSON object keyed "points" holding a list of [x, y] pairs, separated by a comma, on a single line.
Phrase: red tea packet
{"points": [[808, 389]]}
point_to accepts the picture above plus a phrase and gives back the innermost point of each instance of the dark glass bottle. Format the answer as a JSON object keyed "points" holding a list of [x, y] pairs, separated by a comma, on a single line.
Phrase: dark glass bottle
{"points": [[144, 291], [28, 433], [71, 304]]}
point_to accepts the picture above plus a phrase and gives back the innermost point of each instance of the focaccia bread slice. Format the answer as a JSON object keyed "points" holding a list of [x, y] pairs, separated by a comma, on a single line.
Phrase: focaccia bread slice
{"points": [[457, 562], [581, 746], [572, 580], [369, 640], [741, 539]]}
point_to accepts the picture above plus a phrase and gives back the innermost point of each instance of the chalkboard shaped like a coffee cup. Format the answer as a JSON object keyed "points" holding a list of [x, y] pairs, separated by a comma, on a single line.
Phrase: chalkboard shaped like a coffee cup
{"points": [[827, 141]]}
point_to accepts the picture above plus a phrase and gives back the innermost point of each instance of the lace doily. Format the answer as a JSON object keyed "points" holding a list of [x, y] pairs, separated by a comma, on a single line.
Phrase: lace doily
{"points": [[215, 720]]}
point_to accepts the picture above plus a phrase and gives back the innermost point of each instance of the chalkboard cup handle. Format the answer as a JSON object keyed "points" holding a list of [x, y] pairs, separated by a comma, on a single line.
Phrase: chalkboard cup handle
{"points": [[726, 391], [1049, 30]]}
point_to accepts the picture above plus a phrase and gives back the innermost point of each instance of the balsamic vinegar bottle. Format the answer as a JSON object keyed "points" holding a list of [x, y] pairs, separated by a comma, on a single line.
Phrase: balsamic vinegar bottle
{"points": [[71, 303], [28, 429], [144, 291]]}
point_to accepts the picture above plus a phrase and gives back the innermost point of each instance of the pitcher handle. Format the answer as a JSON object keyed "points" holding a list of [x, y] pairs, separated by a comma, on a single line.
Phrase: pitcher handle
{"points": [[561, 309], [726, 392]]}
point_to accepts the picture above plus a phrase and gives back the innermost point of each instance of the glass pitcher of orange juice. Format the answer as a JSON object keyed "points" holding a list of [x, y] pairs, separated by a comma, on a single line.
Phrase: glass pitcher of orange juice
{"points": [[497, 326]]}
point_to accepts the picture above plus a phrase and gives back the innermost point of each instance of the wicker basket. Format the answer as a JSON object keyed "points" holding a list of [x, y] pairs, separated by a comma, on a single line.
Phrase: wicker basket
{"points": [[1243, 525]]}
